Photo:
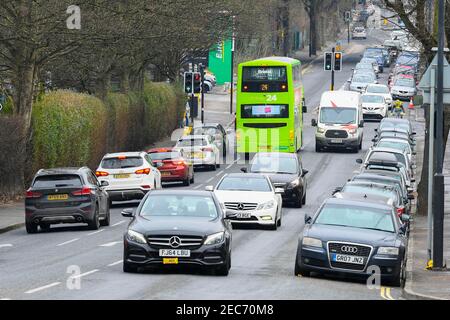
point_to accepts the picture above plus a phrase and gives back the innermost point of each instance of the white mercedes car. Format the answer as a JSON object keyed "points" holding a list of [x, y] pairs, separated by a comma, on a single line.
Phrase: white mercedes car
{"points": [[130, 175], [252, 199]]}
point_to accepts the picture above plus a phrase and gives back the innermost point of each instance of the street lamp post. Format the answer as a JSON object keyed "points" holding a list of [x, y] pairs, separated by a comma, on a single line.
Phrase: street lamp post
{"points": [[233, 38]]}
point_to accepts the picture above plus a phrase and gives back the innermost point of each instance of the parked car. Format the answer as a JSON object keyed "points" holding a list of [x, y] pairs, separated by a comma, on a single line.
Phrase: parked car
{"points": [[172, 165], [403, 89], [252, 198], [184, 227], [360, 82], [382, 90], [217, 132], [66, 195], [359, 33], [374, 106], [348, 236], [285, 170], [130, 175]]}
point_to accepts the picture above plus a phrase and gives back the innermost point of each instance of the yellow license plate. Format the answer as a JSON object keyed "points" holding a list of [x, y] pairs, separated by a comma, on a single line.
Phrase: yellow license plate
{"points": [[122, 176], [54, 197], [198, 155], [165, 174], [170, 260]]}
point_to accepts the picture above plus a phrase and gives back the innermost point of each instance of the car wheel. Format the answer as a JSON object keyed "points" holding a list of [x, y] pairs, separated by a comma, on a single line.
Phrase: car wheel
{"points": [[45, 227], [360, 145], [318, 148], [224, 269], [214, 167], [279, 221], [217, 165], [107, 220], [187, 182], [274, 226], [398, 279], [299, 201], [224, 151], [304, 199], [192, 178], [129, 268], [31, 227], [94, 224], [299, 269]]}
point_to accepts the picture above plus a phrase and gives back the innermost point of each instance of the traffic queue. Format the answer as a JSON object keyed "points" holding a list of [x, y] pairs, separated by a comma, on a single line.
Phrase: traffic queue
{"points": [[362, 228]]}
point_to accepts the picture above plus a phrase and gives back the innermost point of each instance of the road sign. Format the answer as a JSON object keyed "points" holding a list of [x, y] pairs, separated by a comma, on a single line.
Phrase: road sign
{"points": [[328, 61], [425, 82]]}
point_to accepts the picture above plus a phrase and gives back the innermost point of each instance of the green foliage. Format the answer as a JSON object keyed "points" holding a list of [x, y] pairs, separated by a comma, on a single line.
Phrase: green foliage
{"points": [[7, 106], [74, 129]]}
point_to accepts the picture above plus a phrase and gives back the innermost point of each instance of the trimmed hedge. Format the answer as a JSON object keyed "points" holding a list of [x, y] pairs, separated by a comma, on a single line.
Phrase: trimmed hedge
{"points": [[74, 129]]}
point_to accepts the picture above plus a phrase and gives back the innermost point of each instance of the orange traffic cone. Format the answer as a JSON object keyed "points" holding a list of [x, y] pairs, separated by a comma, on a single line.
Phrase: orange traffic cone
{"points": [[411, 104]]}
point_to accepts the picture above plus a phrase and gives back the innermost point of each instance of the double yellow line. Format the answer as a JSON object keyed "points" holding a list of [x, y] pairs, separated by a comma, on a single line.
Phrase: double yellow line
{"points": [[385, 293]]}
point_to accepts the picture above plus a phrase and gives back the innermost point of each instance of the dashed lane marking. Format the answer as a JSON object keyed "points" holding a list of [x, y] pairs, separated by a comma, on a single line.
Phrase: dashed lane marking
{"points": [[210, 179], [92, 233], [220, 173], [198, 187], [67, 242], [54, 284], [110, 244], [115, 263], [116, 224], [6, 245], [85, 274]]}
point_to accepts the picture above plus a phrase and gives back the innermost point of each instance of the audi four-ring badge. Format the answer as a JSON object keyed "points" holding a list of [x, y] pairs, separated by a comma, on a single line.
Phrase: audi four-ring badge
{"points": [[355, 238], [178, 228]]}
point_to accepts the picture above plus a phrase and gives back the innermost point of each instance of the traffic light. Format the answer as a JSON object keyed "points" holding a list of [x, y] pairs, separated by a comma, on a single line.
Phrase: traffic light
{"points": [[188, 82], [338, 61], [197, 82], [328, 61]]}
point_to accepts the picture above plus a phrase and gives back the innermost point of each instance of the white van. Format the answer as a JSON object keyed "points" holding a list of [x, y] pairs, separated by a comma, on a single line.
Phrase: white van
{"points": [[340, 121]]}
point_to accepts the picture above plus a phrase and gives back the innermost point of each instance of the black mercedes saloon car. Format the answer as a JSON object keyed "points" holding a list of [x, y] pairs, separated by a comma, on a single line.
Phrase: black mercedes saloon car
{"points": [[178, 228], [285, 170], [349, 236], [66, 195]]}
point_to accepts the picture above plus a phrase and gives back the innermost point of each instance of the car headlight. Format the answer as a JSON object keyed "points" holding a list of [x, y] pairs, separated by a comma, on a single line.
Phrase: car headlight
{"points": [[266, 205], [294, 183], [136, 237], [352, 131], [312, 242], [320, 130], [388, 250], [215, 238]]}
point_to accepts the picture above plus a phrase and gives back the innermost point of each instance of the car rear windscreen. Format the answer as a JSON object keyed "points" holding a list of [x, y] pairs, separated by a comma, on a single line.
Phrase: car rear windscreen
{"points": [[57, 181], [165, 155], [122, 163]]}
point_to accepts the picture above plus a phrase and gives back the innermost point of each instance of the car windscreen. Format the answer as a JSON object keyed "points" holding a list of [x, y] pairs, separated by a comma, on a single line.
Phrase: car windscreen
{"points": [[372, 99], [244, 184], [159, 205], [388, 155], [402, 146], [362, 79], [274, 164], [211, 131], [377, 89], [164, 155], [405, 83], [338, 115], [57, 181], [122, 162], [364, 66], [356, 216], [192, 142]]}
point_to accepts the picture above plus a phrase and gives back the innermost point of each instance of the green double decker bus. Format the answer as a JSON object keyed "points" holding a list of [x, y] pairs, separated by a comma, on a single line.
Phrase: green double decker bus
{"points": [[269, 106]]}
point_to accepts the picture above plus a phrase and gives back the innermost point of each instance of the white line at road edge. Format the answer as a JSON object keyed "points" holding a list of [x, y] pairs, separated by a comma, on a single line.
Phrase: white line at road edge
{"points": [[221, 172], [4, 299], [110, 244], [198, 187], [7, 245], [115, 263], [210, 179], [67, 242], [116, 224], [85, 274], [95, 232], [43, 287]]}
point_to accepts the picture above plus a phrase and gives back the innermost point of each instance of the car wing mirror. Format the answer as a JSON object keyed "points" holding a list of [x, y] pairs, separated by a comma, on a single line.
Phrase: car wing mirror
{"points": [[308, 219], [336, 190], [230, 215], [361, 124], [209, 188], [313, 122], [304, 109], [359, 161], [304, 172], [128, 213], [244, 169], [405, 218], [104, 183]]}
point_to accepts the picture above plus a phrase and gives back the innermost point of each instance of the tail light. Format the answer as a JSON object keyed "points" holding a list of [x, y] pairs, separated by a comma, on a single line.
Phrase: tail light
{"points": [[400, 211], [32, 194], [143, 171], [86, 191], [101, 174], [146, 187], [207, 149]]}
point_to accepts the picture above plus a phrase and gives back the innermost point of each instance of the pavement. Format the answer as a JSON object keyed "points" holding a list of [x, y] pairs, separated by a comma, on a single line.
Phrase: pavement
{"points": [[422, 283], [263, 261]]}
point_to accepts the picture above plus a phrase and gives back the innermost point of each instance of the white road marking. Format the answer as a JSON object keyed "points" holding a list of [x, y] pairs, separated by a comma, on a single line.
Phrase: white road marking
{"points": [[115, 263], [92, 233], [210, 179], [198, 187], [85, 274], [5, 299], [7, 245], [221, 172], [67, 242], [110, 244], [43, 287], [116, 224]]}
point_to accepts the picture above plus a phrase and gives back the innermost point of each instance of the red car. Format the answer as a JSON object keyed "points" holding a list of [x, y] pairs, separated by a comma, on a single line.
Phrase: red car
{"points": [[172, 165]]}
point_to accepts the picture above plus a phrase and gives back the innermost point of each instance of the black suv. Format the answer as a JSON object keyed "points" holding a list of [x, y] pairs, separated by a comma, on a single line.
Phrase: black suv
{"points": [[66, 195]]}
